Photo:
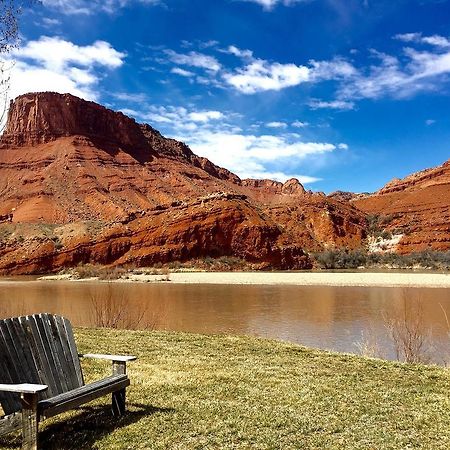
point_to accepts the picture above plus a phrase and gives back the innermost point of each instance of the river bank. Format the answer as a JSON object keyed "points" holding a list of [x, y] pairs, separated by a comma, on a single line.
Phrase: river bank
{"points": [[196, 391], [365, 279]]}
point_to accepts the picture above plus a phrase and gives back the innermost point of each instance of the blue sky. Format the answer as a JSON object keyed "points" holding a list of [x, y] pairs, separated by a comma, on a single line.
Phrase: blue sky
{"points": [[342, 94]]}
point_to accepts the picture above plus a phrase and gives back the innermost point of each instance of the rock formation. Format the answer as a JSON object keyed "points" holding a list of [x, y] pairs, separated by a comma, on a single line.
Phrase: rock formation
{"points": [[416, 207], [82, 183]]}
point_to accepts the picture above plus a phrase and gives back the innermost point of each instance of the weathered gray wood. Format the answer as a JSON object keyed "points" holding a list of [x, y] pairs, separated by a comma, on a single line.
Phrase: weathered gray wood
{"points": [[24, 323], [23, 388], [10, 370], [43, 355], [30, 421], [118, 397], [8, 402], [55, 367], [72, 364], [11, 423], [73, 350], [72, 399], [109, 357], [39, 359], [26, 360]]}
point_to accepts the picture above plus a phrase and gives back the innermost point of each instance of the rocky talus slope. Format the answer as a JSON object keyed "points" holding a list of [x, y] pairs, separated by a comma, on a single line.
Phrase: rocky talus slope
{"points": [[81, 183]]}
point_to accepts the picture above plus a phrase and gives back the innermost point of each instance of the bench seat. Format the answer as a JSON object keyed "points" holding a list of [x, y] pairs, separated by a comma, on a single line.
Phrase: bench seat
{"points": [[68, 400]]}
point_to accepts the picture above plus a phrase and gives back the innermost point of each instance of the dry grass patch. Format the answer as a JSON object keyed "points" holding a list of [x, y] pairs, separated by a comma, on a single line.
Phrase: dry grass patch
{"points": [[224, 392]]}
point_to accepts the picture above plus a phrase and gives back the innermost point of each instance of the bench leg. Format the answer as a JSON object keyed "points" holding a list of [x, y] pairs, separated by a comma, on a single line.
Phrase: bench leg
{"points": [[118, 403], [118, 397], [29, 422]]}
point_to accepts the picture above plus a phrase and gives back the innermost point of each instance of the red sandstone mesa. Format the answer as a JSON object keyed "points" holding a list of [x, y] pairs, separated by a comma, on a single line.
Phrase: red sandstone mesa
{"points": [[81, 183]]}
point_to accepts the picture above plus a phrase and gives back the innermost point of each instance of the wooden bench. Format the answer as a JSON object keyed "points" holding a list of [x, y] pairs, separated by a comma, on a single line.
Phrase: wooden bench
{"points": [[40, 374]]}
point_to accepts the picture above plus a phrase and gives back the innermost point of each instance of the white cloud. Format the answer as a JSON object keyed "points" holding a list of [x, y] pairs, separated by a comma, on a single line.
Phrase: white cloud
{"points": [[423, 71], [72, 7], [260, 76], [334, 104], [213, 134], [182, 72], [194, 59], [268, 5], [252, 156], [127, 97], [276, 125], [299, 124], [48, 22], [435, 40], [205, 116], [337, 68], [57, 53], [233, 50], [180, 117], [408, 37], [54, 64], [429, 122]]}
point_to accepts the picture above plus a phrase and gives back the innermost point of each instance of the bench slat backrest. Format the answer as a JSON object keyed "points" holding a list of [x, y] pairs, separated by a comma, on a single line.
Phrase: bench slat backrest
{"points": [[38, 349]]}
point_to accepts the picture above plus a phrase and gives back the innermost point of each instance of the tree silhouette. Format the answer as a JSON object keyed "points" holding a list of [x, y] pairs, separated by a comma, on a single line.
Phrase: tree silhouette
{"points": [[10, 11]]}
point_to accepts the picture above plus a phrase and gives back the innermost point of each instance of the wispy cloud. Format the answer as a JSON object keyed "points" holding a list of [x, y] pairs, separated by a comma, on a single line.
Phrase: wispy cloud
{"points": [[194, 59], [299, 124], [276, 125], [182, 72], [268, 5], [73, 7], [217, 136], [333, 104], [233, 50], [436, 40]]}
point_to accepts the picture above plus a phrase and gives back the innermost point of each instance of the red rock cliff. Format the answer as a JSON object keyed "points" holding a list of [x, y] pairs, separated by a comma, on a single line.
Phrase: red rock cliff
{"points": [[44, 117]]}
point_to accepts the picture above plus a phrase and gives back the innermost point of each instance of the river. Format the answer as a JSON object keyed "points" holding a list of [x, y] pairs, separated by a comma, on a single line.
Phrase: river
{"points": [[347, 319]]}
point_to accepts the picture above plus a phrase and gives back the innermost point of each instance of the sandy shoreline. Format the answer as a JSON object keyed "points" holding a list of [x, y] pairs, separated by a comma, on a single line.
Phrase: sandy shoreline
{"points": [[429, 280]]}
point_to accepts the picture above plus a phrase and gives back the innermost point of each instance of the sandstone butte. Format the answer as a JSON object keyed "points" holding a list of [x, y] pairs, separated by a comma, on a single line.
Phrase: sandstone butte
{"points": [[80, 183], [417, 208]]}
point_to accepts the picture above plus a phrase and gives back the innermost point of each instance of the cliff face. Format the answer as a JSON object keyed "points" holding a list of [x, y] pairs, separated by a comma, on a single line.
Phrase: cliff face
{"points": [[44, 117], [77, 167], [416, 207]]}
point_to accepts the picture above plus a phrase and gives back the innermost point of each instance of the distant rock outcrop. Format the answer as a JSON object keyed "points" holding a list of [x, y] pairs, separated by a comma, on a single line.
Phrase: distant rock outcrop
{"points": [[416, 207]]}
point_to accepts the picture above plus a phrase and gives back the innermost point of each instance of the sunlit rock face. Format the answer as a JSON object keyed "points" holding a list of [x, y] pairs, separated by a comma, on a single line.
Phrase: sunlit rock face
{"points": [[82, 183], [416, 207]]}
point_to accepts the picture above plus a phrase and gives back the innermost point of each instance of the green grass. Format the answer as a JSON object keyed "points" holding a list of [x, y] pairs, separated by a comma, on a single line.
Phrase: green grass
{"points": [[222, 392]]}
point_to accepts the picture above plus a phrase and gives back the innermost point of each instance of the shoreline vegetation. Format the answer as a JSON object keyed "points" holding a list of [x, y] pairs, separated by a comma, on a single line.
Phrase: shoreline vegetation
{"points": [[198, 391]]}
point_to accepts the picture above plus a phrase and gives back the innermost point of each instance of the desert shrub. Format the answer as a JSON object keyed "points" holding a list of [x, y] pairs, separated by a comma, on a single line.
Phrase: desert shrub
{"points": [[113, 309], [408, 332], [100, 272], [341, 259], [351, 259]]}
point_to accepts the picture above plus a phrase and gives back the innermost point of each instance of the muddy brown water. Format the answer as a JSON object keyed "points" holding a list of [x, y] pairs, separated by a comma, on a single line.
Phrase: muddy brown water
{"points": [[347, 319]]}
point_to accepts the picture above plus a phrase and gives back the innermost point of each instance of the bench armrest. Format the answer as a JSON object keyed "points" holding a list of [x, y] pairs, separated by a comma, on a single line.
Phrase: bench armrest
{"points": [[119, 358], [23, 388]]}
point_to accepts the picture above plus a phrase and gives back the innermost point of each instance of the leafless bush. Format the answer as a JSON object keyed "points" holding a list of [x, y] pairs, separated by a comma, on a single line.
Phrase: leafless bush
{"points": [[100, 272], [407, 330], [369, 345], [112, 309]]}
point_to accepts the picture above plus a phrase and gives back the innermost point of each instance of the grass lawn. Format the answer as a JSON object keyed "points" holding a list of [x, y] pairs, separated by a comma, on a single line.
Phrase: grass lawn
{"points": [[224, 392]]}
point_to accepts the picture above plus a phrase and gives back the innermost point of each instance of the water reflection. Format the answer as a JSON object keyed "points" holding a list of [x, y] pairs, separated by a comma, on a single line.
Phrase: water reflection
{"points": [[335, 318]]}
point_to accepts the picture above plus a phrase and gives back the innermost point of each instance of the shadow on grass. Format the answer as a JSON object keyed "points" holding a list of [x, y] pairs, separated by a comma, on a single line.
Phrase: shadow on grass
{"points": [[84, 429]]}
